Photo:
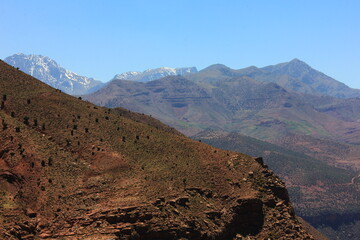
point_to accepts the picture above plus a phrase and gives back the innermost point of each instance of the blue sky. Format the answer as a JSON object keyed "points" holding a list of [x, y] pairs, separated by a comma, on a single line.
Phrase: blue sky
{"points": [[102, 38]]}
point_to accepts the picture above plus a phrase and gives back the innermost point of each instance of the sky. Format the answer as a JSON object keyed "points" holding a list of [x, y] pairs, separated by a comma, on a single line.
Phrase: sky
{"points": [[98, 38]]}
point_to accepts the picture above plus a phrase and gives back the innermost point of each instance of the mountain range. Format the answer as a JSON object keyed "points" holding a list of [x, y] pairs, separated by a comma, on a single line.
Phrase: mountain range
{"points": [[294, 75], [73, 170], [263, 110]]}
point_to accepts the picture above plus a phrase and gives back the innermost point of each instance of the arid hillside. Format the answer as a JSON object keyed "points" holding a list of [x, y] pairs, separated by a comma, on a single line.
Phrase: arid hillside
{"points": [[72, 170]]}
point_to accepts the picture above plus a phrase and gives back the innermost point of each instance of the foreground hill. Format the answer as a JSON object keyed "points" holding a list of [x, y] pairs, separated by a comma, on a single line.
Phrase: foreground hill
{"points": [[51, 73], [72, 170]]}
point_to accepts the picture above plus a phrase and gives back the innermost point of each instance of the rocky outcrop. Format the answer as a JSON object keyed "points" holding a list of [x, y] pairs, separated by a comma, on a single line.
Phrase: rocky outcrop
{"points": [[267, 214]]}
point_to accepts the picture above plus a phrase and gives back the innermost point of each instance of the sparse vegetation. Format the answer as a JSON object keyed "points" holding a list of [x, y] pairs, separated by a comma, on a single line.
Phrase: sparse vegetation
{"points": [[125, 177]]}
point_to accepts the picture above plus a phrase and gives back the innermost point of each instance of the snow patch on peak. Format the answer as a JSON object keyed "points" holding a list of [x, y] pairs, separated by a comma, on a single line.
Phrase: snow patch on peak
{"points": [[154, 74], [50, 72]]}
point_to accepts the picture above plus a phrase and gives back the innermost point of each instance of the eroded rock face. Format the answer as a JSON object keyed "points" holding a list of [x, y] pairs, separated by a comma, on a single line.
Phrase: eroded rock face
{"points": [[199, 213]]}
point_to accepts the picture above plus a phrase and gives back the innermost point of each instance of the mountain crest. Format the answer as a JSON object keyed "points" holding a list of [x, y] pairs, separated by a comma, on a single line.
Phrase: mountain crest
{"points": [[298, 76], [50, 72]]}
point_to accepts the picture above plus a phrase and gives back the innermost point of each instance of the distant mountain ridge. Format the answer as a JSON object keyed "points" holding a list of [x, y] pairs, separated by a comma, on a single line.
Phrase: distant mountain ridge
{"points": [[154, 74], [300, 77], [295, 75], [51, 73]]}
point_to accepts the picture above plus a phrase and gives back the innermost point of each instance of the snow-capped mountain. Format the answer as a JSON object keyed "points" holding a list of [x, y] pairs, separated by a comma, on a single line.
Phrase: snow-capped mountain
{"points": [[48, 71], [154, 74]]}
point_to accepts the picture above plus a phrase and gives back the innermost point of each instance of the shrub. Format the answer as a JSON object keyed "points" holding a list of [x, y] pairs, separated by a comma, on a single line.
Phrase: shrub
{"points": [[5, 126], [184, 181], [50, 161], [26, 120]]}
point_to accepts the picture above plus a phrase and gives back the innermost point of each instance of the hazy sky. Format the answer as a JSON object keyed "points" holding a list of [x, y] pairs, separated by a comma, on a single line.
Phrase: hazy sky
{"points": [[99, 38]]}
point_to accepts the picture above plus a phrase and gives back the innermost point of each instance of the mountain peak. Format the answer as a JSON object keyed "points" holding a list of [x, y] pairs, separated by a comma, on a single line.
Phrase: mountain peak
{"points": [[297, 61], [217, 66], [50, 72]]}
